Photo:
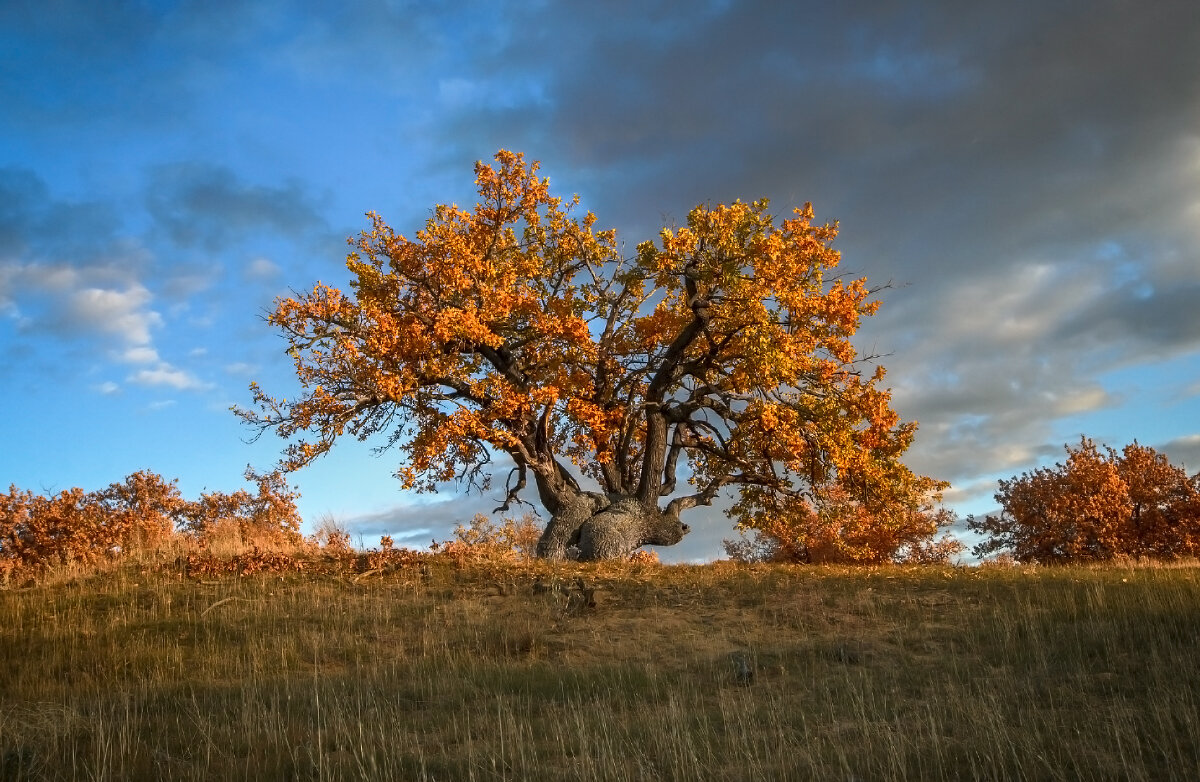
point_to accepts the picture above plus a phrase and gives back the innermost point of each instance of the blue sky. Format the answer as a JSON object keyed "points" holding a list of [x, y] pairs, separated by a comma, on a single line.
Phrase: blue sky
{"points": [[1027, 175]]}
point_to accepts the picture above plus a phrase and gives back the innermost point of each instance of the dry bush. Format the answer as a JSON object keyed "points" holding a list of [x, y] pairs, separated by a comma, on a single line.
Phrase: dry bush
{"points": [[75, 528], [268, 520], [143, 516], [512, 540], [331, 537], [1002, 561]]}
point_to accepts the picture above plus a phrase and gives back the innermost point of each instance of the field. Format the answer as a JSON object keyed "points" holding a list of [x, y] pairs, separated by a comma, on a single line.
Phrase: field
{"points": [[495, 672]]}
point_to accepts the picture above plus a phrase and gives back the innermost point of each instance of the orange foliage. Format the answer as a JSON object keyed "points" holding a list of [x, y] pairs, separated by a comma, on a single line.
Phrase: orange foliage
{"points": [[835, 528], [142, 513], [481, 538], [518, 327], [645, 557], [1096, 506], [268, 518]]}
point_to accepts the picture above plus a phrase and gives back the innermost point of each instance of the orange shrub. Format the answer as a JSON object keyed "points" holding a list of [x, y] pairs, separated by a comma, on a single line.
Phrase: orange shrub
{"points": [[834, 528], [141, 513], [482, 538], [268, 519], [1096, 506]]}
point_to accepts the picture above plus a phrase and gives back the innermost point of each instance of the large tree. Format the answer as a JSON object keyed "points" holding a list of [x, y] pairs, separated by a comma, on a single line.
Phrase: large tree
{"points": [[722, 353]]}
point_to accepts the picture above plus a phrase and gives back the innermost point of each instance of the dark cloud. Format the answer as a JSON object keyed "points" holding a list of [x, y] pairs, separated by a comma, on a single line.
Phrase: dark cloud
{"points": [[1183, 451], [33, 223], [416, 524], [1154, 320], [22, 196], [208, 206], [1027, 173]]}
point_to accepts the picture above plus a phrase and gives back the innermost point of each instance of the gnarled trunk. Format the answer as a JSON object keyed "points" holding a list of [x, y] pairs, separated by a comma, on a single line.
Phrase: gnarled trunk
{"points": [[591, 526]]}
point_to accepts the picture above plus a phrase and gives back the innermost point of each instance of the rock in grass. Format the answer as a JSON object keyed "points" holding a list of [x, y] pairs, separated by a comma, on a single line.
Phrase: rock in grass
{"points": [[743, 670]]}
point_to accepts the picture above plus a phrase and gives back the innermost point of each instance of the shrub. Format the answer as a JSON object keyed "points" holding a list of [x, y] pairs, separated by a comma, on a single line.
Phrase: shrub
{"points": [[1096, 506], [834, 528], [142, 513], [483, 538]]}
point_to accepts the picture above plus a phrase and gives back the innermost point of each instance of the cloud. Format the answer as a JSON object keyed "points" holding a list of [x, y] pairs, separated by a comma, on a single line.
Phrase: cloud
{"points": [[1032, 192], [119, 312], [208, 206], [241, 368], [1184, 451], [107, 388], [34, 224], [182, 281], [420, 522], [171, 377], [66, 271], [261, 269], [83, 301], [140, 355]]}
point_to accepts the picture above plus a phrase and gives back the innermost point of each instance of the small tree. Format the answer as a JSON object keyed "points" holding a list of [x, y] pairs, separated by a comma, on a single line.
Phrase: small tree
{"points": [[834, 528], [508, 539], [723, 352], [141, 510], [1096, 506], [269, 517]]}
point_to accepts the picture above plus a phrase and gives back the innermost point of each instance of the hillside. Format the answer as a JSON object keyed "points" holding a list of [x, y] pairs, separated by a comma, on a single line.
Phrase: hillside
{"points": [[502, 672]]}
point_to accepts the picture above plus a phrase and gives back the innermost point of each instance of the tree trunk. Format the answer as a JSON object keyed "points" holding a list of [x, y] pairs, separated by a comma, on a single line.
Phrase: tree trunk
{"points": [[592, 527]]}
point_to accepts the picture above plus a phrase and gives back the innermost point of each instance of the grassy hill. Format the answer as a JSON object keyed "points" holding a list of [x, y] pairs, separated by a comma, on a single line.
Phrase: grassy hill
{"points": [[590, 672]]}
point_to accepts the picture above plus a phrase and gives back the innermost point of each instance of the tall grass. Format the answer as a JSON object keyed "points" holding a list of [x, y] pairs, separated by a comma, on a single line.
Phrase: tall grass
{"points": [[496, 672]]}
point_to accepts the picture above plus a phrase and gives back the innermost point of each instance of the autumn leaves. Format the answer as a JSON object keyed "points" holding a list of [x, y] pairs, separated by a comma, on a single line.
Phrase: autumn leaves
{"points": [[723, 350], [1098, 505]]}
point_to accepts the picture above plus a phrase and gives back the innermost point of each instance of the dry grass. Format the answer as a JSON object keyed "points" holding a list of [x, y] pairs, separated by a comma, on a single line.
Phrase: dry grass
{"points": [[511, 672]]}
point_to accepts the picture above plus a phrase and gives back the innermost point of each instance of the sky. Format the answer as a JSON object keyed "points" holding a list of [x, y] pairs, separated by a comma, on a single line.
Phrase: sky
{"points": [[1026, 175]]}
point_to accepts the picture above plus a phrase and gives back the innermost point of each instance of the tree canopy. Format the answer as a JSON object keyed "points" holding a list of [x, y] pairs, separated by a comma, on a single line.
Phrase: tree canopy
{"points": [[1095, 506], [721, 353]]}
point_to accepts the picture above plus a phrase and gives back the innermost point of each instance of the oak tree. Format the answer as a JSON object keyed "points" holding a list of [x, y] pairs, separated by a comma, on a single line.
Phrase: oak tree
{"points": [[720, 354], [1095, 506]]}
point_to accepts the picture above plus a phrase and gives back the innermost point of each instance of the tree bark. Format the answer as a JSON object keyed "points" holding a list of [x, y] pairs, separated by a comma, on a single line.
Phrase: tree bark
{"points": [[563, 530], [595, 527]]}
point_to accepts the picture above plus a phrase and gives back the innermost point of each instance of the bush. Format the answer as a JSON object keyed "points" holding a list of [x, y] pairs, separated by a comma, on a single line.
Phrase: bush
{"points": [[143, 513], [267, 520], [482, 538], [836, 529], [1097, 506]]}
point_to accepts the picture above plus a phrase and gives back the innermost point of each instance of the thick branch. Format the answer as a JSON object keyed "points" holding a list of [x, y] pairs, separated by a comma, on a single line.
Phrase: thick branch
{"points": [[654, 455]]}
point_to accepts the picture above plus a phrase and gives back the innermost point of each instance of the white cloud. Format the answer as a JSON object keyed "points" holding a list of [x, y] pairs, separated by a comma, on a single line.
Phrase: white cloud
{"points": [[261, 269], [241, 368], [80, 301], [108, 387], [166, 375], [142, 354], [1082, 400], [123, 313]]}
